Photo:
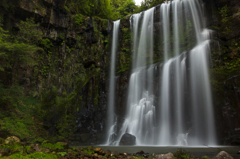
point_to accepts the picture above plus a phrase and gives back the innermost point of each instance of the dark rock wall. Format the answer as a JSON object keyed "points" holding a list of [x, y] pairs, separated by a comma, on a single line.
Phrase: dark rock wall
{"points": [[75, 56], [224, 18]]}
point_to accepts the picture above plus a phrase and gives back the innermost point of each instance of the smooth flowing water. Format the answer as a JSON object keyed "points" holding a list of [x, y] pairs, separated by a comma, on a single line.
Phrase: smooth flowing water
{"points": [[179, 110], [112, 83]]}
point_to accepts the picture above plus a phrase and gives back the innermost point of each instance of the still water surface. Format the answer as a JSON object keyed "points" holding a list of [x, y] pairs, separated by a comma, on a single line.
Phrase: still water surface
{"points": [[197, 151]]}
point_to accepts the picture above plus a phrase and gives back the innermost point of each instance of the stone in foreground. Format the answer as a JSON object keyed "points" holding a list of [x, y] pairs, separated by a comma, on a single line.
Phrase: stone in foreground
{"points": [[223, 155], [164, 156], [12, 139], [128, 139]]}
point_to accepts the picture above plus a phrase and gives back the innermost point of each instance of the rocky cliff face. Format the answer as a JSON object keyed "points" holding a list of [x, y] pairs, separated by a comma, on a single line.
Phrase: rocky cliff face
{"points": [[75, 57], [224, 18]]}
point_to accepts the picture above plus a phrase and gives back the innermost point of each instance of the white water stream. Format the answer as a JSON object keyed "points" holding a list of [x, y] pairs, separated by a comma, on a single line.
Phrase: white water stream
{"points": [[181, 113], [112, 83]]}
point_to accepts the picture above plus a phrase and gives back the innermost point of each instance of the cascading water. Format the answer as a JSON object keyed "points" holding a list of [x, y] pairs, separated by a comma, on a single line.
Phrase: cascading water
{"points": [[179, 111], [140, 109], [111, 97]]}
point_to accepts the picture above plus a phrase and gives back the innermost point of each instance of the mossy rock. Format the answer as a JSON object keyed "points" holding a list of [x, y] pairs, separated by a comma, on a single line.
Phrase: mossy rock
{"points": [[59, 146], [11, 140]]}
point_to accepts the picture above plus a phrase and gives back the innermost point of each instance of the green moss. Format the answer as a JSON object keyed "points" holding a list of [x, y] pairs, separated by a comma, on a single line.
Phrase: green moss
{"points": [[35, 155], [23, 128], [88, 151], [46, 43], [13, 146], [53, 146], [79, 19]]}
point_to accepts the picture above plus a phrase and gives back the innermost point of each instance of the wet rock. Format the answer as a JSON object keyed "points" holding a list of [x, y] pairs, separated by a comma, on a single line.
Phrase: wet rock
{"points": [[140, 152], [12, 139], [146, 155], [128, 139], [164, 156], [98, 150], [115, 153], [107, 153], [223, 155]]}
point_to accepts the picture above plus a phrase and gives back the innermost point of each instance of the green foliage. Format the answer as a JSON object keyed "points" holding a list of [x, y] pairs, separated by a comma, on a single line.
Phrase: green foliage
{"points": [[53, 146], [140, 157], [29, 32], [237, 15], [21, 128], [224, 13], [3, 36], [15, 113], [62, 153], [100, 8], [146, 4], [226, 20], [10, 97], [79, 19], [35, 155], [53, 112], [19, 48], [46, 43], [127, 8], [88, 151], [182, 154], [13, 146]]}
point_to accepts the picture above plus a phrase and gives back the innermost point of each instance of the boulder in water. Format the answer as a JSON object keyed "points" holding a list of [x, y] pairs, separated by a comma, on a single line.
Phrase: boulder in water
{"points": [[128, 139], [223, 155]]}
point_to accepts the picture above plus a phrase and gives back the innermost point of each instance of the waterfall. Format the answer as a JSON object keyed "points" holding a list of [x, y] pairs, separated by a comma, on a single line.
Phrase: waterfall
{"points": [[170, 105], [111, 91]]}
